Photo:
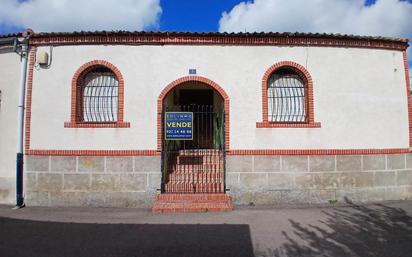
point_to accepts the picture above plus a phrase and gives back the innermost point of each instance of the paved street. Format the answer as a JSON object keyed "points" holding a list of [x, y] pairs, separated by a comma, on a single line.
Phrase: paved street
{"points": [[372, 230]]}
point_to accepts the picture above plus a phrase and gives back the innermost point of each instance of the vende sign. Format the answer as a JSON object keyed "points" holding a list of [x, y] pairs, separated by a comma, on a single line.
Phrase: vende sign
{"points": [[178, 125]]}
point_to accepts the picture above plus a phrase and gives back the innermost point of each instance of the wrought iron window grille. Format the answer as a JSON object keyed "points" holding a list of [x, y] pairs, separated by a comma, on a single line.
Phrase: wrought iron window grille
{"points": [[287, 97], [98, 96]]}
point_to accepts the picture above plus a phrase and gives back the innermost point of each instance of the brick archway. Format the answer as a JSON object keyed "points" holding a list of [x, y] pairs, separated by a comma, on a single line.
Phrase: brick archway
{"points": [[186, 79]]}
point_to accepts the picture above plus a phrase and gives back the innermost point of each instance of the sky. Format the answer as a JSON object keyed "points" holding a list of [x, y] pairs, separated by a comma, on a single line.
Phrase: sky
{"points": [[391, 18]]}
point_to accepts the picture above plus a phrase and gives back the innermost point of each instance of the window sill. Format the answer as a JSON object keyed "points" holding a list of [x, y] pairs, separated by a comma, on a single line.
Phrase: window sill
{"points": [[266, 124], [97, 125]]}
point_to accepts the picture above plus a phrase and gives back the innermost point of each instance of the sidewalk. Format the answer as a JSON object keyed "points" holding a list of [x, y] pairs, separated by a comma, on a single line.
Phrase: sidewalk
{"points": [[367, 230]]}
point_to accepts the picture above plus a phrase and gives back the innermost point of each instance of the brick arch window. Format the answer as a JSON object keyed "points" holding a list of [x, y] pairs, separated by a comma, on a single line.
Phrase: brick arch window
{"points": [[287, 97], [97, 96]]}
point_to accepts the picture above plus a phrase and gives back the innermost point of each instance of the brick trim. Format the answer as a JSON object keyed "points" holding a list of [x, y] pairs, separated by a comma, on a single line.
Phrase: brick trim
{"points": [[182, 80], [97, 125], [229, 152], [77, 75], [408, 94], [94, 152], [28, 151], [317, 151], [221, 39], [29, 95], [309, 105], [287, 125]]}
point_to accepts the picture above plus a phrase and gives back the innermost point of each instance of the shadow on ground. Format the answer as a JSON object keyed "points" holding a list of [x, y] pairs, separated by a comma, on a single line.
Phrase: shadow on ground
{"points": [[358, 231], [43, 239]]}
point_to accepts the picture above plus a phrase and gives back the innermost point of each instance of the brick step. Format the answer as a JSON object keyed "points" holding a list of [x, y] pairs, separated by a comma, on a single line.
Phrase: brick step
{"points": [[199, 159], [190, 207], [194, 180], [191, 173], [197, 152], [194, 187], [193, 197], [196, 173], [173, 203], [198, 167], [195, 176]]}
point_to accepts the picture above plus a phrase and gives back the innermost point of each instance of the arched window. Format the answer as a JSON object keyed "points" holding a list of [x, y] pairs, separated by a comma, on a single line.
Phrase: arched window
{"points": [[287, 94], [98, 96], [287, 97]]}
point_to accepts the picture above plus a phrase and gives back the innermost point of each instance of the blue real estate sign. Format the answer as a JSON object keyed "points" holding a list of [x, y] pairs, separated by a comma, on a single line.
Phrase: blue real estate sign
{"points": [[178, 125]]}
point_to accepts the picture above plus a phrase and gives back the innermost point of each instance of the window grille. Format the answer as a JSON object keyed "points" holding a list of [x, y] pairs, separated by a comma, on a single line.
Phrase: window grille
{"points": [[99, 92], [287, 97]]}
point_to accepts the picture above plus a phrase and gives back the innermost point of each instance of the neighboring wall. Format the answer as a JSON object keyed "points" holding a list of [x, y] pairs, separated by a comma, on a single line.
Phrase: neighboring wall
{"points": [[359, 95], [9, 84]]}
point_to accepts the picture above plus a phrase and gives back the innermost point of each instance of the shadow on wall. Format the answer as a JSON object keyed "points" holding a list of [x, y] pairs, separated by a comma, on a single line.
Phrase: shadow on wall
{"points": [[375, 231], [33, 238]]}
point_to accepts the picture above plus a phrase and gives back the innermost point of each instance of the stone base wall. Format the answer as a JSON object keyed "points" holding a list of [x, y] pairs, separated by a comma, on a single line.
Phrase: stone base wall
{"points": [[132, 181], [109, 181], [282, 180]]}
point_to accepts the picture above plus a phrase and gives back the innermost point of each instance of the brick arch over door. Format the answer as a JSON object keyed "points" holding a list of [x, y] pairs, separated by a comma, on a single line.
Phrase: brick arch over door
{"points": [[183, 80]]}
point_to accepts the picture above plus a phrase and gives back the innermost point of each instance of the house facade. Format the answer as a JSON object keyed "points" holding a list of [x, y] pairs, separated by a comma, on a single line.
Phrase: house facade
{"points": [[274, 118]]}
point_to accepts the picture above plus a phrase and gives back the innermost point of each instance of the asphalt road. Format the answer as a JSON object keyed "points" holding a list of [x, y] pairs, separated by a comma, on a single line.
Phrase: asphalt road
{"points": [[355, 230], [43, 239]]}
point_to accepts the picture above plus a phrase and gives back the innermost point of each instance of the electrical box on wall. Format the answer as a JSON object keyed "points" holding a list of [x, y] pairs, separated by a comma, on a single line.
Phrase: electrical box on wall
{"points": [[43, 58]]}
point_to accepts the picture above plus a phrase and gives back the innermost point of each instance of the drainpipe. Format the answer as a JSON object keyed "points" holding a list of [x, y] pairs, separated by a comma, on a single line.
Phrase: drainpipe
{"points": [[21, 48], [20, 127]]}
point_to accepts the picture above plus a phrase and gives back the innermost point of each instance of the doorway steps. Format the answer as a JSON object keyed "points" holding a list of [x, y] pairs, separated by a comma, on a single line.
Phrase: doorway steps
{"points": [[196, 171], [175, 203], [194, 183]]}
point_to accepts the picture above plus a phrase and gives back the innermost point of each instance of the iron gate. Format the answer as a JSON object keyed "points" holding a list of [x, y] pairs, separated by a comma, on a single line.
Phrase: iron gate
{"points": [[197, 165]]}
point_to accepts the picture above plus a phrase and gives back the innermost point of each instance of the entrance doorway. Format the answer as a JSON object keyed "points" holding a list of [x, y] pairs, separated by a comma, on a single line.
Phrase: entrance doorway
{"points": [[195, 165], [200, 102]]}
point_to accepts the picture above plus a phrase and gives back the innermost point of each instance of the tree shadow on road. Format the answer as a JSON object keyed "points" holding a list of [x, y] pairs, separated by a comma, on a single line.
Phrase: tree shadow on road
{"points": [[358, 231]]}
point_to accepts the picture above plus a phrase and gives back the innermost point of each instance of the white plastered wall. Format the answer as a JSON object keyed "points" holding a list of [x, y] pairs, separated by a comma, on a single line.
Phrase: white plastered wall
{"points": [[359, 95], [9, 84]]}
